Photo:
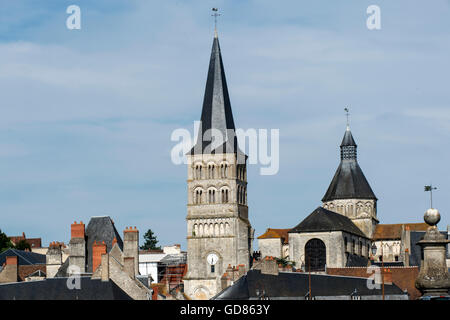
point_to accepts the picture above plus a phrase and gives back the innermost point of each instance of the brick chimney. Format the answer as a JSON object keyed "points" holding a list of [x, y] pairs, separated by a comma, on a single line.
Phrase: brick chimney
{"points": [[77, 257], [131, 246], [53, 259], [98, 248], [10, 272], [387, 276]]}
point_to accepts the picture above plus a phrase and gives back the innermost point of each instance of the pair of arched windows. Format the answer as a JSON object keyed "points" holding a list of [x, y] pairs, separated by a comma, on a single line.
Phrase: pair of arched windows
{"points": [[241, 172], [224, 170], [241, 195], [198, 171], [210, 171], [224, 195], [212, 196], [198, 196]]}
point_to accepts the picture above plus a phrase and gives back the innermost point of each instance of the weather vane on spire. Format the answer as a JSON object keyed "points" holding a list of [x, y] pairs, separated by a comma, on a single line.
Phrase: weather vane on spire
{"points": [[430, 188], [215, 15], [347, 114]]}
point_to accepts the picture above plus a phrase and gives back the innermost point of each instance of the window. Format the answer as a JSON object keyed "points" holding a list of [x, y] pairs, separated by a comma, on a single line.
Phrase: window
{"points": [[360, 248], [212, 196], [212, 268], [345, 245], [315, 255]]}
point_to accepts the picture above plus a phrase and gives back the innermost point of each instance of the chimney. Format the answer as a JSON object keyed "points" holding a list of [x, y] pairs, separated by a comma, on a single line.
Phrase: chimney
{"points": [[241, 270], [10, 272], [387, 276], [128, 264], [131, 246], [105, 267], [77, 257], [10, 261], [98, 248], [155, 293], [406, 262], [53, 259]]}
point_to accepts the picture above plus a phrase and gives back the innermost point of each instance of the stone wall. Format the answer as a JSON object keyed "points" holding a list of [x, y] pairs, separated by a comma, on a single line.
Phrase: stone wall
{"points": [[270, 247]]}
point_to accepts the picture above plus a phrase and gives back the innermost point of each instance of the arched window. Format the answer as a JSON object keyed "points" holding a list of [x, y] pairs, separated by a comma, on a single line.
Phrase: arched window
{"points": [[195, 230], [198, 196], [212, 196], [238, 195], [211, 171], [315, 255]]}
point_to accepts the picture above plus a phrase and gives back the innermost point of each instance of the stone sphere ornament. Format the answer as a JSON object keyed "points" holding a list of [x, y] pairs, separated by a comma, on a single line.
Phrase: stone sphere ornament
{"points": [[432, 217]]}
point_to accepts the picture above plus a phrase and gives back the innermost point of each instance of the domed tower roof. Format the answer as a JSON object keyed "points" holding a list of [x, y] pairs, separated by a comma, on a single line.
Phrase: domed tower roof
{"points": [[349, 181]]}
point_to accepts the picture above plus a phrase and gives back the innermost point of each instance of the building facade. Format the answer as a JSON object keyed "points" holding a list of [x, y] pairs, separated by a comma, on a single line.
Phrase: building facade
{"points": [[219, 232]]}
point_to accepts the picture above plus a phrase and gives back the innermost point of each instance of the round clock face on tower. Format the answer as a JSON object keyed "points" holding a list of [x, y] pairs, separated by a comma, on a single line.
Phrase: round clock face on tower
{"points": [[212, 258]]}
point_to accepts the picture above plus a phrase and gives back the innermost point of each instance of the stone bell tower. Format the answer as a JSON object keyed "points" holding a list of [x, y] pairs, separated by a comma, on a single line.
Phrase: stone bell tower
{"points": [[349, 192], [218, 230]]}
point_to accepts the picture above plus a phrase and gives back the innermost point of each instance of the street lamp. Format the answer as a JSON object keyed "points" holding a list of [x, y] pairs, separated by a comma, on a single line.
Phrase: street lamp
{"points": [[374, 251]]}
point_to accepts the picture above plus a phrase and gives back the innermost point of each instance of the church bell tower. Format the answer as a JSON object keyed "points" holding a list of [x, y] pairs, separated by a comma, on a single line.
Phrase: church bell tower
{"points": [[349, 192], [218, 229]]}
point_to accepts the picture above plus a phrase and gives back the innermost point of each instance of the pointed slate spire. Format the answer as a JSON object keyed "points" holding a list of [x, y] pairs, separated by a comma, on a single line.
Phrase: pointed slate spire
{"points": [[217, 117], [348, 146], [349, 181]]}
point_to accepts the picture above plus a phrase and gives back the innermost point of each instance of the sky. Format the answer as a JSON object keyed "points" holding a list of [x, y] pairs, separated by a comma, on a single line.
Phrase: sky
{"points": [[86, 115]]}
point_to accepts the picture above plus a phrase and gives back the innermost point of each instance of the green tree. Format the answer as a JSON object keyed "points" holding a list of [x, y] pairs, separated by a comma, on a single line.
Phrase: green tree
{"points": [[5, 242], [150, 241], [23, 245]]}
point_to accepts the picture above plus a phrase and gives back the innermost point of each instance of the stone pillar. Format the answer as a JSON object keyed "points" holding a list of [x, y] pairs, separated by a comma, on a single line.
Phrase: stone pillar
{"points": [[433, 279], [53, 259], [131, 246], [77, 257]]}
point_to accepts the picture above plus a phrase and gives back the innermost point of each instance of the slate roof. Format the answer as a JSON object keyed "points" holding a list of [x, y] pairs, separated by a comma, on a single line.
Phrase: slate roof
{"points": [[354, 260], [349, 181], [100, 229], [323, 220], [394, 231], [23, 257], [56, 289], [216, 111], [296, 285]]}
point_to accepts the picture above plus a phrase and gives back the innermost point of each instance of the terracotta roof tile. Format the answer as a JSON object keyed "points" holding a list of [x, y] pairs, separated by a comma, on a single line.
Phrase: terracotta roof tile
{"points": [[276, 233], [394, 231]]}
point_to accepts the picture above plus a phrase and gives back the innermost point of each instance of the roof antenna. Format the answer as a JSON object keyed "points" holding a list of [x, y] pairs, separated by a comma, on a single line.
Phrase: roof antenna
{"points": [[347, 111], [215, 15]]}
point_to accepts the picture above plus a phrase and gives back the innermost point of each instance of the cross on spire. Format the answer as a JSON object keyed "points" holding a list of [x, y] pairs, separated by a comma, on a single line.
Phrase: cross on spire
{"points": [[347, 114], [215, 15]]}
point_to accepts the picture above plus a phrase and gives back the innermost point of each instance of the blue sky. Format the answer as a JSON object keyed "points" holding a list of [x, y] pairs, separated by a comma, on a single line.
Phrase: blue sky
{"points": [[86, 115]]}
